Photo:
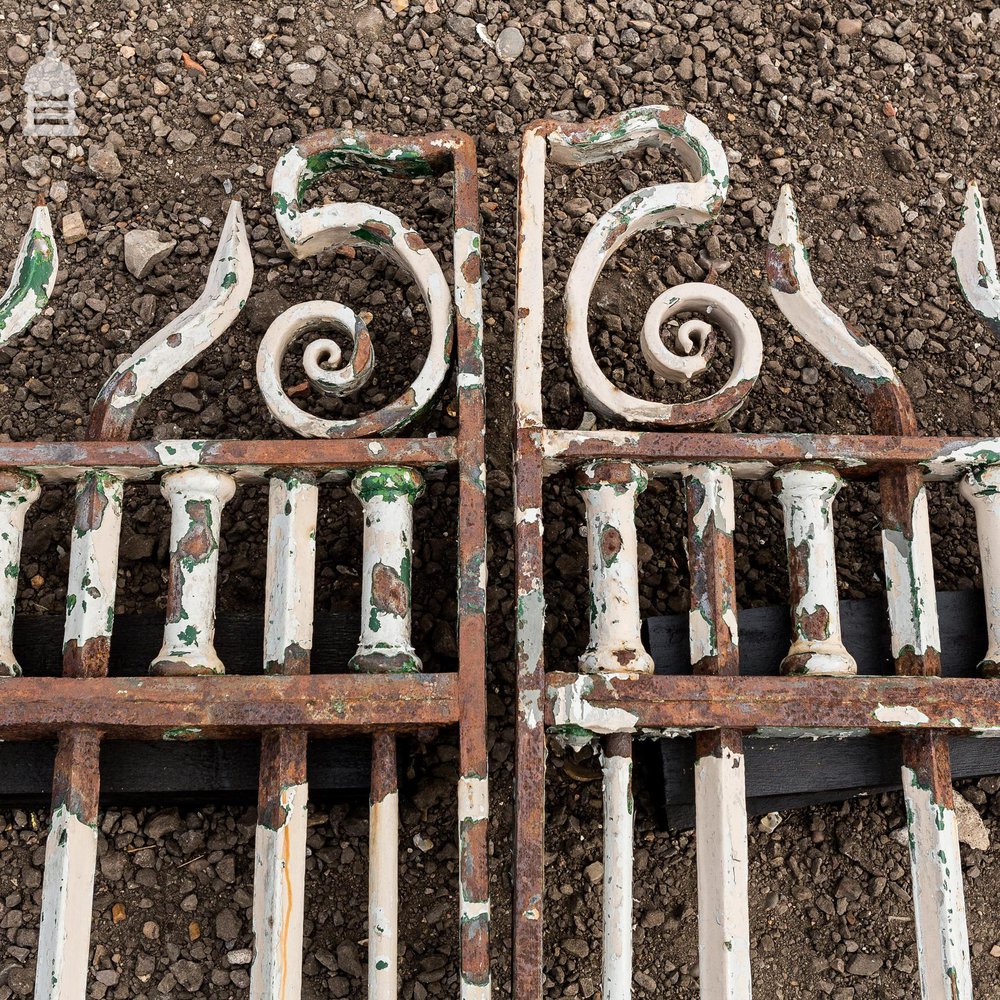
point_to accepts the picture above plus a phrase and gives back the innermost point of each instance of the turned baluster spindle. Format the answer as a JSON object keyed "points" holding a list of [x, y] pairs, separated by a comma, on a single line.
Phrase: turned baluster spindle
{"points": [[196, 497], [806, 493]]}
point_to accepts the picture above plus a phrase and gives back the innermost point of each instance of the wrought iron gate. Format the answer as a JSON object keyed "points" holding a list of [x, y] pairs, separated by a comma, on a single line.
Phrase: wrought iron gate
{"points": [[188, 695], [614, 696]]}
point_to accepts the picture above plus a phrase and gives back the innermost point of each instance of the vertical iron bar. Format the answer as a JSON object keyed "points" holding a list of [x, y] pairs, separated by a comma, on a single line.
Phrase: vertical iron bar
{"points": [[280, 849], [387, 495], [720, 776], [18, 491], [981, 487], [383, 870], [70, 863], [610, 490], [529, 846], [935, 858], [473, 787], [71, 845]]}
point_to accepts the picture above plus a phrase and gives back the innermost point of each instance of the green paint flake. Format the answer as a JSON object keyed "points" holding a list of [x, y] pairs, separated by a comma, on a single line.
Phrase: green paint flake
{"points": [[189, 635]]}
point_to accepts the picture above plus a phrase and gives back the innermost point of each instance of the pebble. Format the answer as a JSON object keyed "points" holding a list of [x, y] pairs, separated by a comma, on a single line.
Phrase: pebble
{"points": [[144, 249], [103, 162], [73, 228], [889, 51], [883, 218], [510, 44], [971, 828]]}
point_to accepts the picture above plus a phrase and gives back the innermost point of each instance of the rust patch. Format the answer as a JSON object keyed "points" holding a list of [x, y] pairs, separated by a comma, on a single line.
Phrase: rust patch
{"points": [[389, 591], [414, 241], [611, 544]]}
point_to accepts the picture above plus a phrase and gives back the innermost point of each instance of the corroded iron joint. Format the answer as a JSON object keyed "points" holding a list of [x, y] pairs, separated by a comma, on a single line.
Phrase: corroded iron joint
{"points": [[609, 491], [806, 493], [387, 494]]}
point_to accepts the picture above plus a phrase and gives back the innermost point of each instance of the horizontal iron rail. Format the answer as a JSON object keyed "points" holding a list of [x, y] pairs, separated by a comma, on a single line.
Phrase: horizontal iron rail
{"points": [[221, 708], [754, 456], [596, 704], [248, 460]]}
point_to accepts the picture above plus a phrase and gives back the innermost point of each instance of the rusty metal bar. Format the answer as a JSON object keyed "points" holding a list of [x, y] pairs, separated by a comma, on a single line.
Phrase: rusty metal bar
{"points": [[282, 813], [773, 706], [720, 787], [248, 461], [757, 456], [191, 708]]}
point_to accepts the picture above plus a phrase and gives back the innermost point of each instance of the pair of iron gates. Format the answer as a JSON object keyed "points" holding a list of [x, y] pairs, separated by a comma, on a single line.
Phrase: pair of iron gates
{"points": [[613, 697]]}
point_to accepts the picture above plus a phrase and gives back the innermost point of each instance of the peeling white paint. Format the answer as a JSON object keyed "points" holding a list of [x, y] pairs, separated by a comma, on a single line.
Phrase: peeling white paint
{"points": [[279, 901], [33, 277], [189, 334], [570, 707], [980, 487], [14, 505], [354, 224], [909, 570], [806, 494], [196, 497], [67, 902], [975, 260], [615, 642], [291, 568], [178, 454], [387, 494], [617, 938], [93, 559], [723, 870], [383, 898], [902, 715], [802, 304], [938, 895], [530, 703]]}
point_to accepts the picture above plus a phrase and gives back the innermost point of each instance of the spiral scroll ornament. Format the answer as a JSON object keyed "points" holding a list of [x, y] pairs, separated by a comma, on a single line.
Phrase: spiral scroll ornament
{"points": [[307, 232], [694, 202]]}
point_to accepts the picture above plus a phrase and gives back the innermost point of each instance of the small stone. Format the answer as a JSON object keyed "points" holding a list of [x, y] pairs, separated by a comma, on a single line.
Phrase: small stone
{"points": [[240, 956], [144, 250], [73, 228], [594, 871], [186, 401], [864, 965], [194, 930], [510, 44], [772, 820], [59, 191], [257, 48], [160, 89], [181, 139], [103, 162], [227, 925], [35, 166], [848, 27], [151, 930], [899, 160], [884, 218], [889, 51], [118, 913], [971, 828], [576, 947]]}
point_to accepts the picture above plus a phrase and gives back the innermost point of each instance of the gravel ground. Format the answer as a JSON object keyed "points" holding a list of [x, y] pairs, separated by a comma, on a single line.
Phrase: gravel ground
{"points": [[877, 116]]}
